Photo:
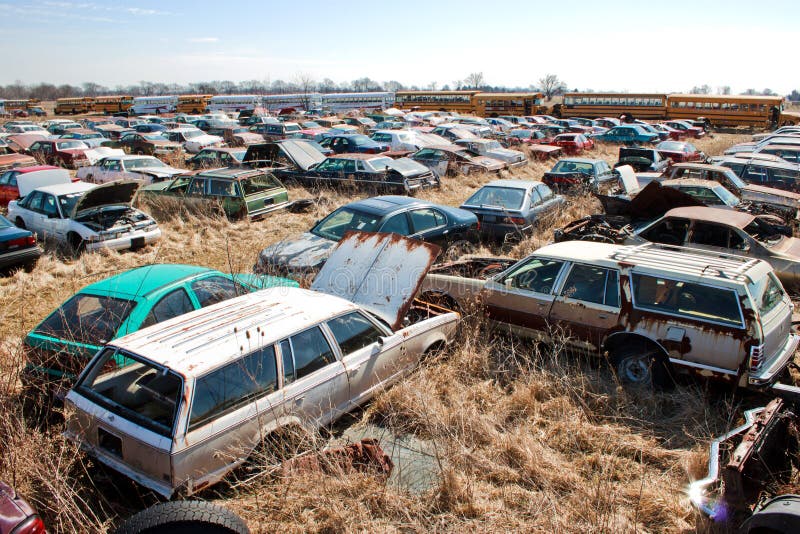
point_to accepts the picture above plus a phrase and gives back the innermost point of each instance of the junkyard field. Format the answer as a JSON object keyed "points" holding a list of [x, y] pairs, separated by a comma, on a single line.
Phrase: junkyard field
{"points": [[525, 437]]}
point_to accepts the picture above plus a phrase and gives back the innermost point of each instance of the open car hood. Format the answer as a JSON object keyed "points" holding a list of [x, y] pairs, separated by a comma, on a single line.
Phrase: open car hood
{"points": [[298, 151], [650, 203], [112, 193], [379, 272]]}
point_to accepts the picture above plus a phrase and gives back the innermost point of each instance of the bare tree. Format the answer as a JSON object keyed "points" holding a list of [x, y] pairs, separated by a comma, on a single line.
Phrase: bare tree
{"points": [[724, 90], [475, 80], [432, 86], [307, 85], [551, 85], [701, 90]]}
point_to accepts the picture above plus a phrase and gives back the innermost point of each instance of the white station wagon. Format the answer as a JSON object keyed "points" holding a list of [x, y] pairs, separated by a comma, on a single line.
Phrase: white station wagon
{"points": [[178, 405], [86, 216]]}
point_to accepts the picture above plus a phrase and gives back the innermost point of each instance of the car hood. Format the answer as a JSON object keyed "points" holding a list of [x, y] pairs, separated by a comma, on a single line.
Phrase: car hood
{"points": [[505, 154], [789, 247], [377, 271], [205, 139], [12, 159], [302, 154], [159, 172], [307, 251], [759, 193], [113, 193], [653, 201], [490, 163]]}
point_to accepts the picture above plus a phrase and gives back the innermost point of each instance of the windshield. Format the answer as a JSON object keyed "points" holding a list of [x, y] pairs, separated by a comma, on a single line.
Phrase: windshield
{"points": [[191, 134], [727, 197], [259, 183], [154, 137], [502, 197], [735, 180], [362, 140], [335, 225], [89, 319], [70, 144], [402, 165], [68, 202], [141, 163], [573, 166], [671, 146], [493, 145], [134, 389]]}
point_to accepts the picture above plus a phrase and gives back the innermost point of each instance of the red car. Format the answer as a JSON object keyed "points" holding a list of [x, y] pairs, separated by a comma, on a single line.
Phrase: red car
{"points": [[529, 137], [679, 152], [16, 515], [688, 129], [674, 134], [573, 143], [69, 153], [8, 181]]}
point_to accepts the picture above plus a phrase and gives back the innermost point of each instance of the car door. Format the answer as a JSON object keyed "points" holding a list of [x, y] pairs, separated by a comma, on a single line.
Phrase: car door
{"points": [[430, 224], [316, 388], [521, 298], [370, 355], [8, 187], [587, 305], [49, 219], [30, 211]]}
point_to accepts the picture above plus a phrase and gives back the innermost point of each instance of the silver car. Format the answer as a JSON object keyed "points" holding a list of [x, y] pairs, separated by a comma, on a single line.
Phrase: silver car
{"points": [[177, 406]]}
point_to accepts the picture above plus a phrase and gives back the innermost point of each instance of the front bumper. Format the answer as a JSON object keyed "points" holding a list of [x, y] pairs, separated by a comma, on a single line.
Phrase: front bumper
{"points": [[132, 240]]}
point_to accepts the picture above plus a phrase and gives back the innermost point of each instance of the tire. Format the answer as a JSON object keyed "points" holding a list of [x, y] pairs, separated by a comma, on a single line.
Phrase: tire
{"points": [[641, 366], [184, 517], [459, 248], [76, 243]]}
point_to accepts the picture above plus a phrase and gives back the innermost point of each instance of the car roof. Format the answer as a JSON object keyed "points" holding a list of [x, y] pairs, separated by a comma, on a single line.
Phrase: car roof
{"points": [[696, 182], [701, 166], [202, 340], [735, 218], [357, 156], [232, 173], [513, 184], [64, 189], [386, 204], [580, 160], [145, 279]]}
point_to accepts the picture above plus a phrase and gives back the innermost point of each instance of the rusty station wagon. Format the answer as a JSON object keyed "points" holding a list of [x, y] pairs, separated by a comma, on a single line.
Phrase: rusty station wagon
{"points": [[178, 405], [651, 309]]}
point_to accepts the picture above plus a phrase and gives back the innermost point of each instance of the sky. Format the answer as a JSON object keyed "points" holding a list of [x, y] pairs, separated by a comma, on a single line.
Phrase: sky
{"points": [[609, 45]]}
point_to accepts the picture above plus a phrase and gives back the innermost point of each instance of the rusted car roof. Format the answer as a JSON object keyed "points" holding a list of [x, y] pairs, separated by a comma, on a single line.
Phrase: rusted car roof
{"points": [[713, 215], [701, 166], [357, 156]]}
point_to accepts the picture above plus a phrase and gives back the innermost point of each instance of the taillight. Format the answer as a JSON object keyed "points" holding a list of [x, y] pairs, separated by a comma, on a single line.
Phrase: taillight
{"points": [[22, 242], [33, 525], [515, 220], [756, 357]]}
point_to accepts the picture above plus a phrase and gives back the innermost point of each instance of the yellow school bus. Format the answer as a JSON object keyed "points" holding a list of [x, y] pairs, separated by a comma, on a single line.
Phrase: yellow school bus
{"points": [[498, 104], [193, 104], [457, 101], [113, 103], [19, 103], [727, 110], [74, 105], [649, 106]]}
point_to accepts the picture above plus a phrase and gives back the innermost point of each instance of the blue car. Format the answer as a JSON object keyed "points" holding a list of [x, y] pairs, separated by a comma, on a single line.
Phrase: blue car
{"points": [[628, 134], [150, 128], [17, 247], [353, 144]]}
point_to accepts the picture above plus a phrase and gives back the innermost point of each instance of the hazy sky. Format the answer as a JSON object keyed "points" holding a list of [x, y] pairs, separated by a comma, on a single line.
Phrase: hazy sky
{"points": [[612, 45]]}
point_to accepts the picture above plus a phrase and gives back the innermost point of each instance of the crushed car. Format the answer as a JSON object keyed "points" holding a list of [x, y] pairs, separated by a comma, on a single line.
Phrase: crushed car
{"points": [[147, 169], [642, 159], [493, 149], [177, 406], [449, 160]]}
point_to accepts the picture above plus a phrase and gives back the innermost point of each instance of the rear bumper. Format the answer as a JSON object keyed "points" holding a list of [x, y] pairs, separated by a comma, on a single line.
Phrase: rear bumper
{"points": [[268, 209], [128, 241], [23, 256], [776, 364]]}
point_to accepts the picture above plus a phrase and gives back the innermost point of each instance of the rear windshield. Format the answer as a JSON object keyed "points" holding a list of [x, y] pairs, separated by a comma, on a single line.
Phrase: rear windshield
{"points": [[574, 166], [89, 319], [694, 301], [134, 389], [503, 197]]}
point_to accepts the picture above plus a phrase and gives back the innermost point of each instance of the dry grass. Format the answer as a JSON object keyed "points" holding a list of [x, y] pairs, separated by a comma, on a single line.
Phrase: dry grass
{"points": [[529, 438]]}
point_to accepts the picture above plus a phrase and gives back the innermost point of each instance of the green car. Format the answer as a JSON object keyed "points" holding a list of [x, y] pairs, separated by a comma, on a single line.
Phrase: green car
{"points": [[240, 192], [60, 346]]}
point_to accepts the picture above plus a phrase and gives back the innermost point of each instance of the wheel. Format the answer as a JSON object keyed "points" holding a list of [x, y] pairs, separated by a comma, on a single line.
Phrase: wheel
{"points": [[459, 248], [20, 223], [76, 243], [184, 517], [640, 366]]}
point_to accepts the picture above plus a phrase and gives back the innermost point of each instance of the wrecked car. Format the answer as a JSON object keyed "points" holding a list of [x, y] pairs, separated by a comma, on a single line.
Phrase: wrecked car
{"points": [[509, 210], [761, 171], [652, 310], [749, 470], [86, 216], [17, 247], [442, 225], [10, 159], [65, 153], [449, 160], [147, 169], [210, 158], [176, 412], [594, 174], [493, 149], [36, 175], [59, 347], [642, 159], [16, 515], [237, 192], [680, 152]]}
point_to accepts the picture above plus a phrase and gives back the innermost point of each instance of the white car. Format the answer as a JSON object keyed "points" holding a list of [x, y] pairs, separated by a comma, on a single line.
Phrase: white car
{"points": [[86, 216], [147, 169], [26, 129], [493, 149], [193, 139], [411, 140]]}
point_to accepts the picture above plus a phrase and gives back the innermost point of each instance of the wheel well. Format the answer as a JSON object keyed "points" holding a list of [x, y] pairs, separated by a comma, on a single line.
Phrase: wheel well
{"points": [[622, 341], [440, 298]]}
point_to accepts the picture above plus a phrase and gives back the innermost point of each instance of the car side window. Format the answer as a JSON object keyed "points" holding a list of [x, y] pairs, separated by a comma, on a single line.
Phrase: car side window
{"points": [[171, 305], [197, 187], [349, 166], [425, 219], [668, 232], [288, 362], [537, 275], [715, 235], [5, 178], [587, 283], [49, 206], [222, 188], [353, 332], [311, 352], [234, 386], [214, 289], [33, 201], [397, 224]]}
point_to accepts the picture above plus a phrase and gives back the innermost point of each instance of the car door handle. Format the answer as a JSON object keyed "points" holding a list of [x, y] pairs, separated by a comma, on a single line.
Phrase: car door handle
{"points": [[352, 372]]}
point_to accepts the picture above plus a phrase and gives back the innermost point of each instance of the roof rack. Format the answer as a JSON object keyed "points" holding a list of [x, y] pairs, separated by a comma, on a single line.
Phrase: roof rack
{"points": [[689, 261]]}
